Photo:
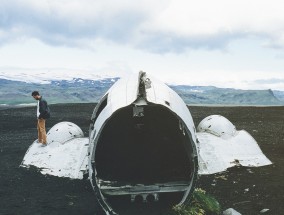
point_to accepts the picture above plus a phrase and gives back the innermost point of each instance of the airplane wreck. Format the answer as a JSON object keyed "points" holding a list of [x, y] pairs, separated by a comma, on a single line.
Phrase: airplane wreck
{"points": [[143, 146]]}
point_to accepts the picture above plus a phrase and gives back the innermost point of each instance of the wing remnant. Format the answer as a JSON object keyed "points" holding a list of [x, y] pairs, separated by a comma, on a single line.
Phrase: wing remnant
{"points": [[221, 146]]}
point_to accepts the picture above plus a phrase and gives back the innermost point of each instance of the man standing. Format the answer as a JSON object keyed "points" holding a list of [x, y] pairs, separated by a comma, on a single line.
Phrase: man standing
{"points": [[43, 113]]}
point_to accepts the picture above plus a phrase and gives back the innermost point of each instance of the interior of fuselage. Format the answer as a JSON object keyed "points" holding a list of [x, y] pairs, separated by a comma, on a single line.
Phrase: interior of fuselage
{"points": [[144, 149]]}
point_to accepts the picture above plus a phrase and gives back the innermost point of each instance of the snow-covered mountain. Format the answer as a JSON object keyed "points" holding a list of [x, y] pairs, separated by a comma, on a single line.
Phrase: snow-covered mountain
{"points": [[64, 88], [46, 76]]}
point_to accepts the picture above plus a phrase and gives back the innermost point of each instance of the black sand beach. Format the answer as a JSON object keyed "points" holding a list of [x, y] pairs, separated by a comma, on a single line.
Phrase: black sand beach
{"points": [[247, 190]]}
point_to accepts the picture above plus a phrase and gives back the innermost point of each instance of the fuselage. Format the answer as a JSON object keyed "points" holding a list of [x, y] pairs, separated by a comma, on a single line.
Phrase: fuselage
{"points": [[142, 144]]}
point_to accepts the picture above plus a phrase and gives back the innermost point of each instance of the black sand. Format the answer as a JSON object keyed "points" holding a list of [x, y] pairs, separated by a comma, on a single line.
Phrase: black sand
{"points": [[247, 190]]}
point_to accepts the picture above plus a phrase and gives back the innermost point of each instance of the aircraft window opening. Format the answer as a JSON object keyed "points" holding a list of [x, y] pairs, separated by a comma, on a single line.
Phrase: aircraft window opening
{"points": [[99, 108]]}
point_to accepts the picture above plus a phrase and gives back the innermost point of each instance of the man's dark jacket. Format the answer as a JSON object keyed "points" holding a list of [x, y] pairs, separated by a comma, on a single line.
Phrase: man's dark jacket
{"points": [[43, 109]]}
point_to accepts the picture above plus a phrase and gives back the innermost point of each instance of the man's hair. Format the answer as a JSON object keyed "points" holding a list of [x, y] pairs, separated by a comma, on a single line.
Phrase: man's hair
{"points": [[35, 93]]}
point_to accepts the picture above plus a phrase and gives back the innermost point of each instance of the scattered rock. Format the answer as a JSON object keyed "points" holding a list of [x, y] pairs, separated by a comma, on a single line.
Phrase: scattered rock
{"points": [[231, 211], [264, 210], [223, 177], [249, 170]]}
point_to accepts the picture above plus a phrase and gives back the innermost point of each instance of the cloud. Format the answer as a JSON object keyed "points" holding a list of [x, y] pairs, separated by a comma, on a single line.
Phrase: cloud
{"points": [[161, 26], [270, 81], [70, 22], [164, 42], [214, 24]]}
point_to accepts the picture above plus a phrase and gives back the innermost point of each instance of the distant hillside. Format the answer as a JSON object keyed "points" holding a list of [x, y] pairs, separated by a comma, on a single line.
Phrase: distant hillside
{"points": [[279, 95], [228, 96], [82, 90], [74, 91]]}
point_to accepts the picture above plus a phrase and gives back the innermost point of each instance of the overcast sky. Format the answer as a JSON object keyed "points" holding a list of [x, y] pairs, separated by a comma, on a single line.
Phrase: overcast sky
{"points": [[226, 43]]}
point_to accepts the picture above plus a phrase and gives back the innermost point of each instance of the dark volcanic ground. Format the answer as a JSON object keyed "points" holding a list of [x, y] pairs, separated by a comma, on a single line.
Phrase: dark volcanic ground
{"points": [[247, 190]]}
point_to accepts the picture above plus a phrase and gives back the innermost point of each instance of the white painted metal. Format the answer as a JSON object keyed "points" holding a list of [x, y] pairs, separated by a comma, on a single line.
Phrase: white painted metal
{"points": [[218, 126], [221, 146], [64, 131], [66, 154], [63, 160], [110, 189]]}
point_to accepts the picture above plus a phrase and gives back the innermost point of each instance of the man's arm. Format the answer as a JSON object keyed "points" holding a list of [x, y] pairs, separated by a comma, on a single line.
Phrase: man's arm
{"points": [[42, 109]]}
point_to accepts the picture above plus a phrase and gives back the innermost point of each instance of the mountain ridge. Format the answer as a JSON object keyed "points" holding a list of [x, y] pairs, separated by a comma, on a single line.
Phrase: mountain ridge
{"points": [[79, 90]]}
